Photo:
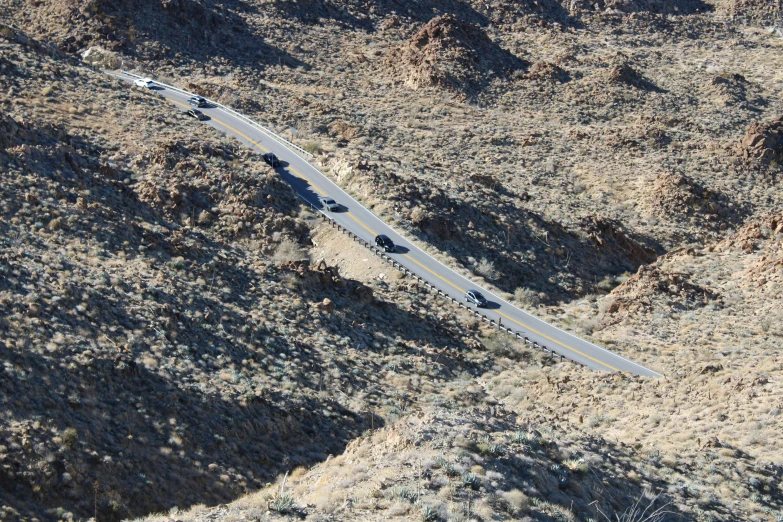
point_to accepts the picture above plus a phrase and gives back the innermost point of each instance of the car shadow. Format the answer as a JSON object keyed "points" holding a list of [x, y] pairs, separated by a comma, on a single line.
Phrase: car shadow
{"points": [[400, 250]]}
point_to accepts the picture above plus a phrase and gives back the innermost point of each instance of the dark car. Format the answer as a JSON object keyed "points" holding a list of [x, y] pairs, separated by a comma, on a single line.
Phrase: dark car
{"points": [[271, 159], [384, 242], [475, 297], [198, 101], [195, 113]]}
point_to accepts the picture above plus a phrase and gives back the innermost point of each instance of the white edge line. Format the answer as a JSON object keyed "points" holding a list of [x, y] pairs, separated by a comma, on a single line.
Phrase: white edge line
{"points": [[229, 110], [492, 294], [285, 143]]}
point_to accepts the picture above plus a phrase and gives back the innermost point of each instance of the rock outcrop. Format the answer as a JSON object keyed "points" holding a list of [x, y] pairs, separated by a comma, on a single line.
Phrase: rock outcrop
{"points": [[623, 73], [452, 54], [650, 286], [763, 142], [679, 195], [608, 234], [643, 6]]}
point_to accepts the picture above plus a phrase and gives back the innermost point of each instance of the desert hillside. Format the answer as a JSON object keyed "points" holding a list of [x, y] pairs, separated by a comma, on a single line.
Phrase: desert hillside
{"points": [[179, 335]]}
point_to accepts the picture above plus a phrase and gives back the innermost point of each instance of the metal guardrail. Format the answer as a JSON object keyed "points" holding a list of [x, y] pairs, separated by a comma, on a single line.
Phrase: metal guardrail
{"points": [[229, 110], [396, 264], [404, 269]]}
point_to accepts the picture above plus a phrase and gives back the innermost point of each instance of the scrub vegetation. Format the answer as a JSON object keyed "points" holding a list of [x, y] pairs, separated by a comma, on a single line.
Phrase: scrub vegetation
{"points": [[180, 339]]}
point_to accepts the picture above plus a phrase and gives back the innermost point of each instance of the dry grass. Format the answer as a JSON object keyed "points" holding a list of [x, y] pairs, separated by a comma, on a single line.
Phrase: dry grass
{"points": [[148, 257]]}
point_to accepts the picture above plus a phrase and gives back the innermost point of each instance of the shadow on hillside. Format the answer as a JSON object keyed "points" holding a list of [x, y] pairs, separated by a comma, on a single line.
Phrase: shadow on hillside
{"points": [[150, 443], [550, 253], [586, 491], [354, 14], [152, 427], [201, 31], [314, 13]]}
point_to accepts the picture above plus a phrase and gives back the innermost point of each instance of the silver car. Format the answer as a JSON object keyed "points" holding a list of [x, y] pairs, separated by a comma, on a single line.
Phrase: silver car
{"points": [[329, 204], [475, 297]]}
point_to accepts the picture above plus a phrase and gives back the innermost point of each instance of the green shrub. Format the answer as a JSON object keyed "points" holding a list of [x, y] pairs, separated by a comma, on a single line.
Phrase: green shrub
{"points": [[313, 147], [429, 514], [470, 480], [70, 436], [282, 503]]}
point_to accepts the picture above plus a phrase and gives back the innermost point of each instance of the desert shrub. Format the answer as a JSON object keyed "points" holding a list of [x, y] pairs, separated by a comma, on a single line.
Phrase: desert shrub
{"points": [[438, 482], [526, 297], [429, 514], [515, 500], [446, 466], [555, 511], [288, 250], [576, 465], [282, 503], [638, 513], [400, 493], [504, 345], [178, 263], [440, 462], [488, 448], [609, 283], [70, 436], [470, 480], [313, 147], [487, 269]]}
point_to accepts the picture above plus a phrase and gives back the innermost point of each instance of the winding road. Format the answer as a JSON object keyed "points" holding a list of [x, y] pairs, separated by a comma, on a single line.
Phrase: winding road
{"points": [[311, 183]]}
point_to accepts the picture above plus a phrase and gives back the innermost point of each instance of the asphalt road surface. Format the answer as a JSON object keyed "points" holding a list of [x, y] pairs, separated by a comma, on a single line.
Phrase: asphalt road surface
{"points": [[311, 184]]}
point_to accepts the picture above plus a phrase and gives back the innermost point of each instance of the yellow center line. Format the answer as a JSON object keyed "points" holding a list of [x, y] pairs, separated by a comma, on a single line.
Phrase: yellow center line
{"points": [[229, 127], [248, 138], [406, 255], [556, 341], [435, 274], [517, 322], [368, 229], [307, 180]]}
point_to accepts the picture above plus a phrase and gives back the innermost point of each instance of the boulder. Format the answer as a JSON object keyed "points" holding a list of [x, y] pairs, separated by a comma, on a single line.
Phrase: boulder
{"points": [[763, 142], [450, 53], [326, 306]]}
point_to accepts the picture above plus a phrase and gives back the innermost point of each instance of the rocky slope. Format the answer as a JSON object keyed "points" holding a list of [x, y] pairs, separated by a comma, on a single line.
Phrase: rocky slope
{"points": [[157, 324], [527, 443], [168, 331]]}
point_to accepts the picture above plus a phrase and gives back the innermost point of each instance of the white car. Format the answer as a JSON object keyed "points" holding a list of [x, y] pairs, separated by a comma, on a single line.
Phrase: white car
{"points": [[144, 82]]}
